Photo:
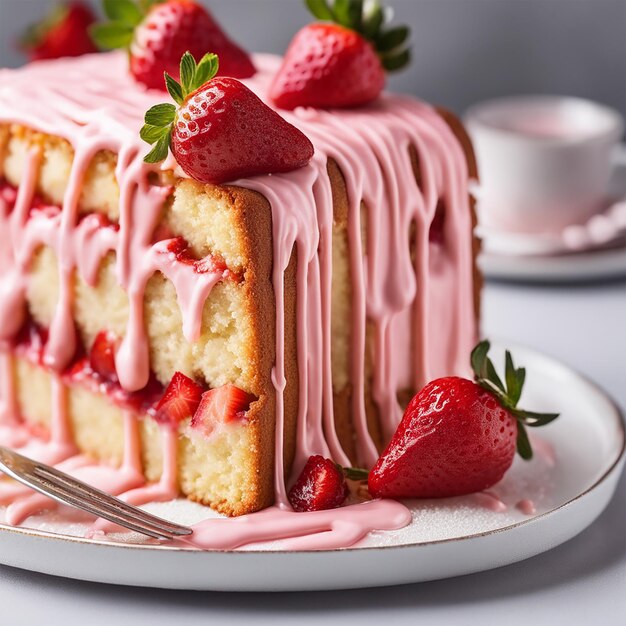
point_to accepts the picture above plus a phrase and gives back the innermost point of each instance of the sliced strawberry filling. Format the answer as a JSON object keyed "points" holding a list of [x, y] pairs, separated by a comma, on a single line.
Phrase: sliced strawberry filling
{"points": [[183, 398], [102, 355], [213, 263], [8, 194], [142, 401], [180, 400], [219, 406]]}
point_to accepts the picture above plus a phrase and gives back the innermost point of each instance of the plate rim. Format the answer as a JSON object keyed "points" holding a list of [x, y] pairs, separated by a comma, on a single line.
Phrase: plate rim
{"points": [[600, 264], [618, 413]]}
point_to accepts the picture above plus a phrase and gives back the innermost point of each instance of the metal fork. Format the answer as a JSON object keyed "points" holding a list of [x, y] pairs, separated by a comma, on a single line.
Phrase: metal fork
{"points": [[68, 490]]}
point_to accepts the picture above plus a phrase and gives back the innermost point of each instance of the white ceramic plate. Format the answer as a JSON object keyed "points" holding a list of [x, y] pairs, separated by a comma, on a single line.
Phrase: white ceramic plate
{"points": [[447, 537], [571, 268]]}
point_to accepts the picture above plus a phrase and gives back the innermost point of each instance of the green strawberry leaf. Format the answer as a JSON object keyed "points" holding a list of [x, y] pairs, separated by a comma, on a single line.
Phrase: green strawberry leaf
{"points": [[514, 379], [373, 19], [524, 448], [146, 5], [187, 72], [160, 115], [396, 61], [159, 119], [112, 35], [486, 376], [355, 15], [125, 11], [392, 39], [533, 419], [151, 134], [160, 150], [342, 12], [206, 69], [174, 88], [192, 75], [320, 10], [493, 377], [478, 359]]}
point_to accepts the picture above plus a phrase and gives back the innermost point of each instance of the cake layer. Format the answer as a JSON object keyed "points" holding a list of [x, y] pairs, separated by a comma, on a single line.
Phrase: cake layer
{"points": [[221, 354], [221, 471], [201, 214]]}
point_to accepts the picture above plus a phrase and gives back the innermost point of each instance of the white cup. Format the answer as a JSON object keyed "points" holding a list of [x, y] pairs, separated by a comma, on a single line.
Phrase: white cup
{"points": [[544, 161]]}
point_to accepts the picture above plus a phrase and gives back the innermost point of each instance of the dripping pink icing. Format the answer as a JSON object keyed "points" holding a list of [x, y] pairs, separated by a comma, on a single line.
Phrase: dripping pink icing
{"points": [[430, 300], [489, 500], [527, 507]]}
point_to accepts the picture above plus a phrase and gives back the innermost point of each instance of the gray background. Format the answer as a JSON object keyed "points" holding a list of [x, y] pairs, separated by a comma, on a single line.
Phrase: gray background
{"points": [[464, 50]]}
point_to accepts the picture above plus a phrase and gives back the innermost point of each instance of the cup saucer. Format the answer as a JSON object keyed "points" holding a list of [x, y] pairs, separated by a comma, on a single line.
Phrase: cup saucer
{"points": [[604, 230]]}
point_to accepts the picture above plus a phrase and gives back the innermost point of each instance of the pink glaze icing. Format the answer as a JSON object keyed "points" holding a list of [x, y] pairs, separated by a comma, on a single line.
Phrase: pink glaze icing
{"points": [[489, 500], [527, 507], [93, 103]]}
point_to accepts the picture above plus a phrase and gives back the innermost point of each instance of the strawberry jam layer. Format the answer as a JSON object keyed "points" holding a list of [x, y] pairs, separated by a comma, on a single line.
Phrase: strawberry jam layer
{"points": [[180, 399], [30, 344]]}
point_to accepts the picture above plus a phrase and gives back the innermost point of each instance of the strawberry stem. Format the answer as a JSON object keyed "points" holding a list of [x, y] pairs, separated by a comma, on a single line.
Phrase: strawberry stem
{"points": [[486, 376], [355, 473]]}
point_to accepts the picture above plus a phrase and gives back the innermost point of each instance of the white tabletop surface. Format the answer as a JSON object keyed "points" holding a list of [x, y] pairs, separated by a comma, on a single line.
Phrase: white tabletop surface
{"points": [[581, 582]]}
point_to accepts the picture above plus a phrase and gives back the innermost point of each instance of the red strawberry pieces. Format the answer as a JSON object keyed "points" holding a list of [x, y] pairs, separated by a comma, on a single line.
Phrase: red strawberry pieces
{"points": [[64, 33], [180, 400], [102, 355], [221, 130], [457, 436], [159, 38], [341, 62], [320, 486], [219, 406]]}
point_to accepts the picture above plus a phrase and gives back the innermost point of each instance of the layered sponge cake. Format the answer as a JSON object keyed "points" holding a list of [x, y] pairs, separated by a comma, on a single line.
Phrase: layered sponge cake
{"points": [[213, 337]]}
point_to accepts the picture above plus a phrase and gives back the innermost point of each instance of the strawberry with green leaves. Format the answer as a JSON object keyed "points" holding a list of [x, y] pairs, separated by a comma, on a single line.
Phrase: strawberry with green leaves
{"points": [[219, 130], [458, 436], [63, 33], [340, 61], [158, 32]]}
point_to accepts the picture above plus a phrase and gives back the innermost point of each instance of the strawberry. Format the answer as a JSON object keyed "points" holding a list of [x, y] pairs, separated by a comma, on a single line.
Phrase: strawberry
{"points": [[102, 355], [180, 399], [157, 34], [320, 486], [63, 33], [340, 62], [457, 436], [218, 406], [220, 130]]}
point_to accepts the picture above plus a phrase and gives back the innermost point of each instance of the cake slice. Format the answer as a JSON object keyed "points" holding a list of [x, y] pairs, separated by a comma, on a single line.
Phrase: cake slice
{"points": [[215, 336]]}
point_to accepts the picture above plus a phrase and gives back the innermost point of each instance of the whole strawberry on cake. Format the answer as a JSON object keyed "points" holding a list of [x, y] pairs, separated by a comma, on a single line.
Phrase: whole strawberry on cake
{"points": [[226, 275]]}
